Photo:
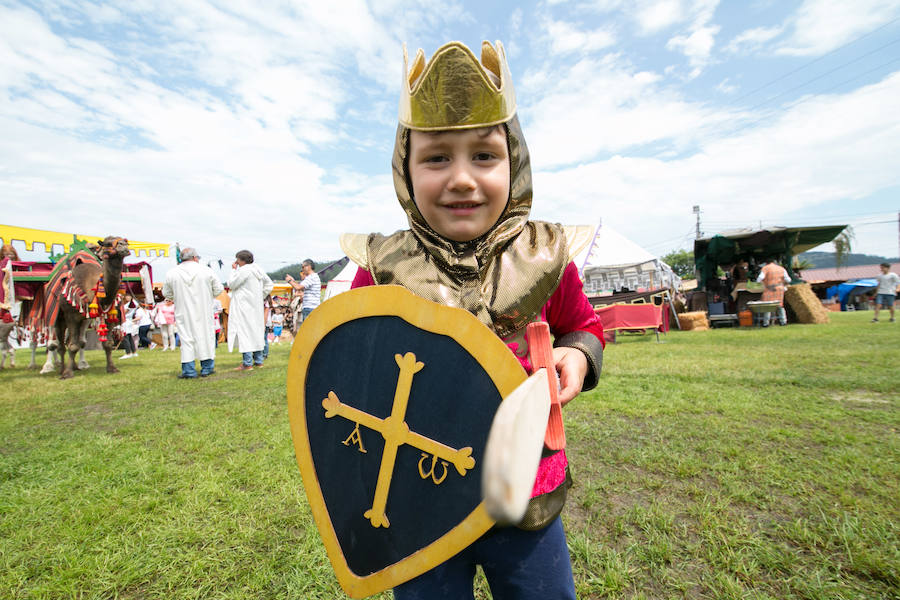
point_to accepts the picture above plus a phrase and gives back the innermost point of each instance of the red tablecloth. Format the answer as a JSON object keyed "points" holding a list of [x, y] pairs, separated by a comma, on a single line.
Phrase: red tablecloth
{"points": [[632, 316]]}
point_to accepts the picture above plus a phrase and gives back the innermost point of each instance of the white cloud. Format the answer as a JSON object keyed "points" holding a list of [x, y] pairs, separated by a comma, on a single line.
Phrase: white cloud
{"points": [[103, 14], [827, 149], [603, 106], [649, 16], [696, 37], [655, 15], [752, 39], [698, 41], [264, 199], [696, 46], [565, 38], [726, 87], [822, 25]]}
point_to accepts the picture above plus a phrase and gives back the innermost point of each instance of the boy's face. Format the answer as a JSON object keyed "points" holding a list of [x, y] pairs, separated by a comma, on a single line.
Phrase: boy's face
{"points": [[460, 180]]}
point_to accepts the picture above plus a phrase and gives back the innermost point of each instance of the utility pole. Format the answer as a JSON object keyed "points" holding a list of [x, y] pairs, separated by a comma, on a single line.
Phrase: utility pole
{"points": [[697, 212]]}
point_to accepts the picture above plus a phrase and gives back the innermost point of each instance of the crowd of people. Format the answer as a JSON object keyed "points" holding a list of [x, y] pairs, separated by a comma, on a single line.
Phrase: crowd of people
{"points": [[190, 317]]}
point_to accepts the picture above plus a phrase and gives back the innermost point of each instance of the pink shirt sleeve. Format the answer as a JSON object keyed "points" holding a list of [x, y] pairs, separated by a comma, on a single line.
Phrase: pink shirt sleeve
{"points": [[569, 309], [362, 279]]}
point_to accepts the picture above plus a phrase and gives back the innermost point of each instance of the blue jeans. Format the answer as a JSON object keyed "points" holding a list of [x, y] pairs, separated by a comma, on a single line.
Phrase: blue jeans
{"points": [[519, 565], [251, 358], [206, 368], [885, 300], [143, 336], [782, 317], [266, 347]]}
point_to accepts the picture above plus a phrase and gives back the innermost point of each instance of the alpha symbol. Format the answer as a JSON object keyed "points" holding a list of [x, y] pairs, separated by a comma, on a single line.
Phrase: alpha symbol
{"points": [[355, 438], [396, 432]]}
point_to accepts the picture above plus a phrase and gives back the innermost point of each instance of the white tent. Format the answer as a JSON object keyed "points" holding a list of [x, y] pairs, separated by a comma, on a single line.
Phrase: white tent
{"points": [[341, 282], [612, 262]]}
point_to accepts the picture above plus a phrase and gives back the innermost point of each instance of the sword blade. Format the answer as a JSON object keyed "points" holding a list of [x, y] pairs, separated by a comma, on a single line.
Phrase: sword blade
{"points": [[513, 449]]}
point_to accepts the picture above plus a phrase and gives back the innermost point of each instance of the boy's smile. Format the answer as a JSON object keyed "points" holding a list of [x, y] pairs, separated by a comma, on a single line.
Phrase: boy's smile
{"points": [[460, 179]]}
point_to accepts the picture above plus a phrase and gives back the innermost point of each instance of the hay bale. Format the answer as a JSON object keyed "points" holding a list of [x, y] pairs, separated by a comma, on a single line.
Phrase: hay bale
{"points": [[805, 304], [693, 321]]}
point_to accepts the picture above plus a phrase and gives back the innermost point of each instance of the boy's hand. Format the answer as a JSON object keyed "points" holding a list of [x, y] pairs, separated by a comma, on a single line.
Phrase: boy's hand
{"points": [[572, 366]]}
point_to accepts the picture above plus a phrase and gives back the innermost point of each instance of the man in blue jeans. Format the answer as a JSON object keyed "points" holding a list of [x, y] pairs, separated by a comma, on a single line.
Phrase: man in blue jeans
{"points": [[249, 286], [192, 287], [310, 289]]}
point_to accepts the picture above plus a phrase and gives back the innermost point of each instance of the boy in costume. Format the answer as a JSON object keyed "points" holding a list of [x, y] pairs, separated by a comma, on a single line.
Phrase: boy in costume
{"points": [[462, 175]]}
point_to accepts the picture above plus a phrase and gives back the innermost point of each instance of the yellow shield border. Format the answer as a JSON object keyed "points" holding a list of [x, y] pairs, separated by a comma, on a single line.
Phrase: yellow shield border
{"points": [[390, 300]]}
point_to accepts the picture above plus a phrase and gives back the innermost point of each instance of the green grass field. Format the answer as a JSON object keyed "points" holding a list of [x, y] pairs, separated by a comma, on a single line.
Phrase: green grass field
{"points": [[721, 464]]}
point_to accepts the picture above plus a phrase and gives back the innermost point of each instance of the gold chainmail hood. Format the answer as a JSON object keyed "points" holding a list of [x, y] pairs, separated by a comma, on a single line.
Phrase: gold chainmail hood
{"points": [[503, 277]]}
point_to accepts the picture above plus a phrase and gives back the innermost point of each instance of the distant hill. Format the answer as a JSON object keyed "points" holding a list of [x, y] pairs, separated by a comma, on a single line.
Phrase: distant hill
{"points": [[294, 270], [825, 260]]}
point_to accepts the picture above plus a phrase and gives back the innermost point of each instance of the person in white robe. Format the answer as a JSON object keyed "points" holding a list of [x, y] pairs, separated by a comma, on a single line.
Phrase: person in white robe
{"points": [[249, 287], [192, 287]]}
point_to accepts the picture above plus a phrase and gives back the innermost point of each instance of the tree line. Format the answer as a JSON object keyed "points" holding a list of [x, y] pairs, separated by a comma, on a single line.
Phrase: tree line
{"points": [[294, 270]]}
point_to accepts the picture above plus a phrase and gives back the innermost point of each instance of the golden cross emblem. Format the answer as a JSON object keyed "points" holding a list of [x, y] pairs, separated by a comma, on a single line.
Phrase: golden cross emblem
{"points": [[396, 432]]}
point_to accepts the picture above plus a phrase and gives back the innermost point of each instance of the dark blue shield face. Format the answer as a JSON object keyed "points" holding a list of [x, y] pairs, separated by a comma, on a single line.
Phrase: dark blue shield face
{"points": [[394, 422], [451, 402]]}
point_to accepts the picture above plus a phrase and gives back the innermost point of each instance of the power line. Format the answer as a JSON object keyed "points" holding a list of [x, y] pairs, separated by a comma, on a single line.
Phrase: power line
{"points": [[803, 220], [824, 218], [825, 74], [875, 223], [808, 98], [681, 239], [814, 61]]}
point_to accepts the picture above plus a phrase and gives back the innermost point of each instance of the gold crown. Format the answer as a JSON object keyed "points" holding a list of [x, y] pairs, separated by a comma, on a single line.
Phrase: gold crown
{"points": [[455, 91]]}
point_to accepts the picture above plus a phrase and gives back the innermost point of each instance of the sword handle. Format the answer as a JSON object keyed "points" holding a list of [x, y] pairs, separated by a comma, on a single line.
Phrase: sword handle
{"points": [[540, 353]]}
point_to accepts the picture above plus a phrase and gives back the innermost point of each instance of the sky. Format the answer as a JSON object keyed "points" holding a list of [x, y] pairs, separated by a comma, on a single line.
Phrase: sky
{"points": [[269, 125]]}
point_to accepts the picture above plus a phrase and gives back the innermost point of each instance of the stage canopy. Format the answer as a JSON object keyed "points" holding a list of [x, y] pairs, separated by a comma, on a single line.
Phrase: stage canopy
{"points": [[755, 245]]}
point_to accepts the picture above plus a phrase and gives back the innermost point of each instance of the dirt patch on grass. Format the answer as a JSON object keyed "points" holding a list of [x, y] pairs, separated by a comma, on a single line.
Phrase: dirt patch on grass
{"points": [[862, 399], [99, 410]]}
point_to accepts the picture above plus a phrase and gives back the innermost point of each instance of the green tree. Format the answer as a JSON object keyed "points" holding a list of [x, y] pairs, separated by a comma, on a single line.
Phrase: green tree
{"points": [[682, 262], [280, 273], [294, 270], [801, 264], [843, 245]]}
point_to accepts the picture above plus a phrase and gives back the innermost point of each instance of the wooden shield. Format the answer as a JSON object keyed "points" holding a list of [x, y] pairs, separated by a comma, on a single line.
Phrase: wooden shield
{"points": [[391, 398]]}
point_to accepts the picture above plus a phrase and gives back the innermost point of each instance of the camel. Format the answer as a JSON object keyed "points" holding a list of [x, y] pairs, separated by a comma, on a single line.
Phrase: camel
{"points": [[31, 325], [50, 366], [85, 282]]}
